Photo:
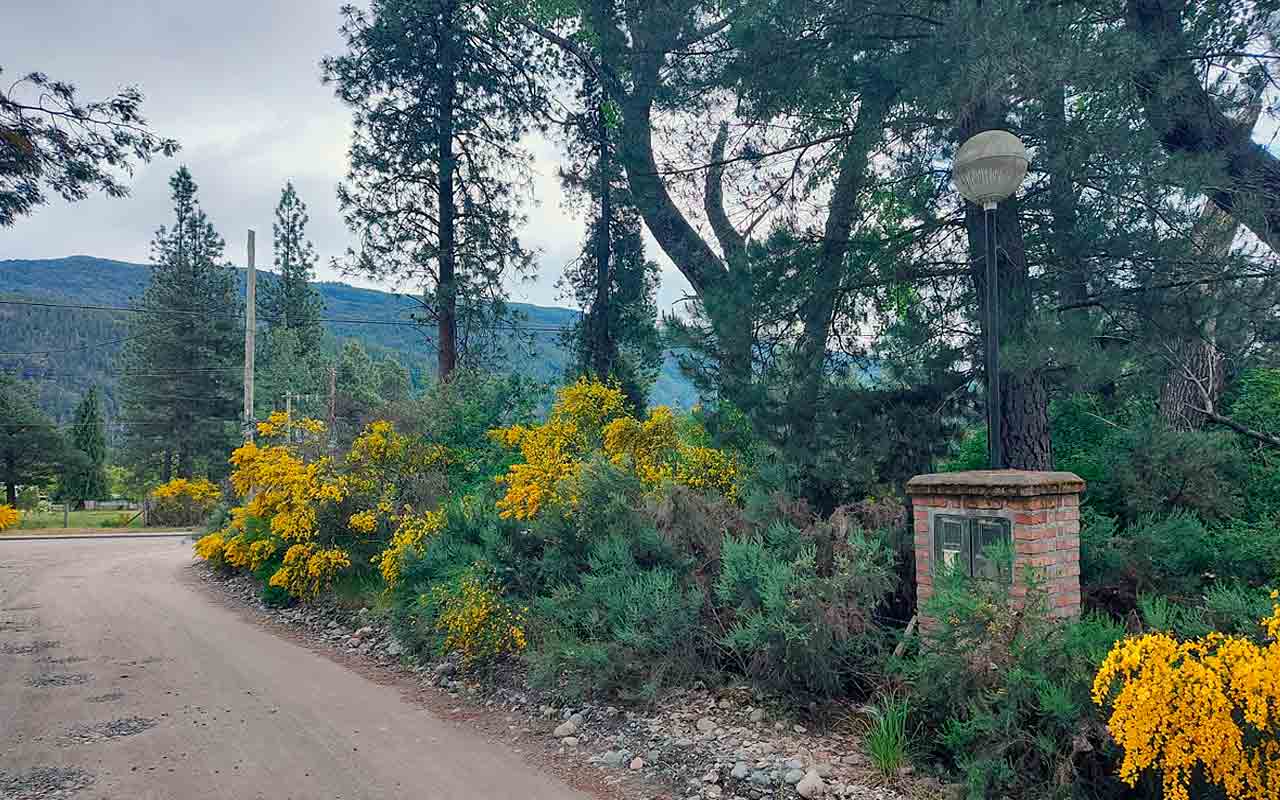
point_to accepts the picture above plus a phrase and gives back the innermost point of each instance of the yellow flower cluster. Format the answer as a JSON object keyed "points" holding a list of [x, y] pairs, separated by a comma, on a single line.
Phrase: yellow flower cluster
{"points": [[200, 491], [552, 452], [588, 415], [411, 531], [706, 469], [241, 553], [380, 453], [308, 570], [475, 620], [280, 424], [654, 450], [211, 548], [1207, 707], [363, 522], [9, 517], [283, 488]]}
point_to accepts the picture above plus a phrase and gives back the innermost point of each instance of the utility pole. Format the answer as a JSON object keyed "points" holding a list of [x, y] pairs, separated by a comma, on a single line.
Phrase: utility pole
{"points": [[333, 398], [250, 323]]}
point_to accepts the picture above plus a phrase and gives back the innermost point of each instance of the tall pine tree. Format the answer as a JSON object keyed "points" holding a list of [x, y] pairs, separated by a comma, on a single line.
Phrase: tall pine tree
{"points": [[180, 371], [86, 478], [290, 301], [441, 91], [612, 281]]}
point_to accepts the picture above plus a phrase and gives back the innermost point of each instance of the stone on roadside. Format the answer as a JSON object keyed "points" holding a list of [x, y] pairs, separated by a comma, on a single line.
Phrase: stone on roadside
{"points": [[811, 785], [706, 725], [757, 715], [637, 763], [394, 648], [793, 775], [741, 770], [570, 741], [564, 729]]}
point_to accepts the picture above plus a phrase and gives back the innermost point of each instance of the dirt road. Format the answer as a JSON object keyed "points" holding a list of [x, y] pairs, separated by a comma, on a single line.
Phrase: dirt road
{"points": [[119, 679]]}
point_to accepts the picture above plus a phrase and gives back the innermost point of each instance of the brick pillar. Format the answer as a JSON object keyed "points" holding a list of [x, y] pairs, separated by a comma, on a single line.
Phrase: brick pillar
{"points": [[1042, 510]]}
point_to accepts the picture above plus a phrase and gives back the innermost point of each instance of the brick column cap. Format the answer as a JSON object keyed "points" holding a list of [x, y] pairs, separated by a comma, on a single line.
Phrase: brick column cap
{"points": [[996, 483]]}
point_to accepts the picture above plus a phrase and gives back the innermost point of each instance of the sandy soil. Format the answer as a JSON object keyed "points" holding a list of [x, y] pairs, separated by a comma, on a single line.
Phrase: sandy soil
{"points": [[120, 678]]}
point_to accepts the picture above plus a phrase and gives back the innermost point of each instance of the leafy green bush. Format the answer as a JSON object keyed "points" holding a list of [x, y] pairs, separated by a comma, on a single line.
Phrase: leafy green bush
{"points": [[1153, 471], [1175, 555], [799, 604], [1002, 694]]}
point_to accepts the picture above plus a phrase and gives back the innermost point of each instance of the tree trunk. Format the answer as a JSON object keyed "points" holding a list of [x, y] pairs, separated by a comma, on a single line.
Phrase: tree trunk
{"points": [[818, 311], [1197, 368], [446, 283], [11, 494], [720, 290], [602, 336], [1196, 364], [1024, 421]]}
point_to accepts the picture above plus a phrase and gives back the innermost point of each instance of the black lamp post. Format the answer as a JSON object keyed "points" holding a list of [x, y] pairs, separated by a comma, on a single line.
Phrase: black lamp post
{"points": [[989, 167]]}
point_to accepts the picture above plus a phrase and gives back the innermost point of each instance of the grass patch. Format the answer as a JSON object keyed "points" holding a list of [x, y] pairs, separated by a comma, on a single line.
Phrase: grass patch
{"points": [[887, 739]]}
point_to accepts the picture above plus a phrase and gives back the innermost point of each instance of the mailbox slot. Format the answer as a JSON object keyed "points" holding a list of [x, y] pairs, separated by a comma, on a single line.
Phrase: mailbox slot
{"points": [[965, 541]]}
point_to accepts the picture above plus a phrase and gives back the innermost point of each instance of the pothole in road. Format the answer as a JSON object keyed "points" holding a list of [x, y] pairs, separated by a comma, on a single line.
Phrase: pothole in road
{"points": [[43, 782], [58, 679], [28, 649], [109, 697], [113, 729], [61, 659]]}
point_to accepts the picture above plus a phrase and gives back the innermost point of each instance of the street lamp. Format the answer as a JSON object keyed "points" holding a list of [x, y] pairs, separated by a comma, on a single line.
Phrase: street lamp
{"points": [[989, 168]]}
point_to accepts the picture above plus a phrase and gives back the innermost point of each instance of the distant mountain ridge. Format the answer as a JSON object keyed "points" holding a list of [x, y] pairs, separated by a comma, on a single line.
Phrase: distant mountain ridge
{"points": [[77, 349]]}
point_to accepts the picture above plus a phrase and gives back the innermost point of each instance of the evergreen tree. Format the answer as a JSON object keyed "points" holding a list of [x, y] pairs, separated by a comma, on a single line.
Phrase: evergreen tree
{"points": [[442, 91], [53, 143], [86, 478], [32, 450], [612, 281], [288, 368], [289, 300], [181, 368]]}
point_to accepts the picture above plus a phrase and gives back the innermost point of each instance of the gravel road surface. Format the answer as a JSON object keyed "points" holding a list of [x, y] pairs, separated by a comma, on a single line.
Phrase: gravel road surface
{"points": [[119, 678]]}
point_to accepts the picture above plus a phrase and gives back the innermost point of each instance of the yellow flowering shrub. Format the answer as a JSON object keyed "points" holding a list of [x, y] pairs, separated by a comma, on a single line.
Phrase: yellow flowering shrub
{"points": [[9, 517], [1208, 707], [474, 620], [279, 424], [183, 501], [588, 416], [282, 487], [411, 531], [309, 570], [212, 548], [654, 450]]}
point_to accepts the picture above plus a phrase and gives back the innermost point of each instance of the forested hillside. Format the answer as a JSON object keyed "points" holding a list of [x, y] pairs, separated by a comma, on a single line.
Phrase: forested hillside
{"points": [[67, 350]]}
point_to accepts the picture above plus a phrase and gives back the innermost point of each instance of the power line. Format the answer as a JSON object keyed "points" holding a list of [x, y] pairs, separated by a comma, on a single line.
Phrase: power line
{"points": [[541, 328]]}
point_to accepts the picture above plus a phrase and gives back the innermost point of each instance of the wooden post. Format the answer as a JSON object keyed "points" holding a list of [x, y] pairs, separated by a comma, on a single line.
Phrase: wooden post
{"points": [[250, 324]]}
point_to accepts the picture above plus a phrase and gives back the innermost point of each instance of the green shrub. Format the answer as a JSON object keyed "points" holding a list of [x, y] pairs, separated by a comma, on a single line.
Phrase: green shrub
{"points": [[1174, 555], [28, 498], [630, 628], [1153, 471], [799, 604], [1002, 693]]}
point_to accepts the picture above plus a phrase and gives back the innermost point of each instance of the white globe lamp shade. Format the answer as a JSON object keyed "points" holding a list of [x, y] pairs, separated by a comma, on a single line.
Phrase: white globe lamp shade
{"points": [[989, 167]]}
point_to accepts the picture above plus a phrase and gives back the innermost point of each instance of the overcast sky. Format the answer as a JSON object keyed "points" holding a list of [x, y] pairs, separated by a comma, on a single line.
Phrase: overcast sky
{"points": [[238, 84]]}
